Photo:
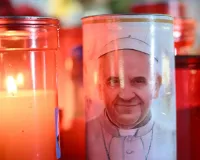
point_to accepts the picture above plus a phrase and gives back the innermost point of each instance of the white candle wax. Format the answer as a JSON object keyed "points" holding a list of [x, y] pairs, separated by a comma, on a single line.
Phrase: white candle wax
{"points": [[27, 125]]}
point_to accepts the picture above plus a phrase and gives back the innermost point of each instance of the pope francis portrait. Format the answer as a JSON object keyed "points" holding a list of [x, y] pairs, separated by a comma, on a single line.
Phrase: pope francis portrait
{"points": [[128, 82]]}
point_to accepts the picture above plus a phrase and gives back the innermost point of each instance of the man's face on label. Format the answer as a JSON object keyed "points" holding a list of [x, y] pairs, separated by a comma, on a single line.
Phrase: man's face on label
{"points": [[128, 83]]}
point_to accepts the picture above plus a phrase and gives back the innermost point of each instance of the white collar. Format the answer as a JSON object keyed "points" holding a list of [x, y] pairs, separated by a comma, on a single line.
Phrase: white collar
{"points": [[114, 131], [137, 131]]}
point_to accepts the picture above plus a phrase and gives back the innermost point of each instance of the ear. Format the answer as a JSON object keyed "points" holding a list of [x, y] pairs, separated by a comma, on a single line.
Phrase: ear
{"points": [[158, 82]]}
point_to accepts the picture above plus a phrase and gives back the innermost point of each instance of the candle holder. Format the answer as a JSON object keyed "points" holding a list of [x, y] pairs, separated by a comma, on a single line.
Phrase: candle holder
{"points": [[70, 91], [188, 102], [129, 87], [28, 92]]}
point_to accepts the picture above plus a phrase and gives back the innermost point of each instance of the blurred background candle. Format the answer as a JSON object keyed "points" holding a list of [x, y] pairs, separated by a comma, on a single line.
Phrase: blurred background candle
{"points": [[70, 76], [28, 94], [70, 90], [188, 102]]}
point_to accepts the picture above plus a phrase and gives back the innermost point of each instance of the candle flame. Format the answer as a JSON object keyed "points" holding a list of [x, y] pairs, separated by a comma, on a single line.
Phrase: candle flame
{"points": [[11, 85]]}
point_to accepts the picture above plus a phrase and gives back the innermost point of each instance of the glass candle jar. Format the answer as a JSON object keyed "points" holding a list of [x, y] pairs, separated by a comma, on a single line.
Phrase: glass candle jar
{"points": [[70, 91], [129, 87], [28, 92], [188, 110]]}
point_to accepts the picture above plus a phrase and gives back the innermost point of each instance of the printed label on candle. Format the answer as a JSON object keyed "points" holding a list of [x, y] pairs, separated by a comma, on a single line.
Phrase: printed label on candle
{"points": [[58, 151], [130, 88]]}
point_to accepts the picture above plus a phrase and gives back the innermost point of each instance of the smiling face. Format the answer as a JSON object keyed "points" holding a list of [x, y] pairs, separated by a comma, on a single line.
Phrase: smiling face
{"points": [[127, 86]]}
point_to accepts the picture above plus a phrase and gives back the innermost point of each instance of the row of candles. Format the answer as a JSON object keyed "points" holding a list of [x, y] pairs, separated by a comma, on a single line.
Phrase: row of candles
{"points": [[187, 78], [34, 128]]}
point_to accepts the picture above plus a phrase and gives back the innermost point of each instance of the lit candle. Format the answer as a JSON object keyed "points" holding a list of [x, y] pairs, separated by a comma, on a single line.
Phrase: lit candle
{"points": [[27, 118]]}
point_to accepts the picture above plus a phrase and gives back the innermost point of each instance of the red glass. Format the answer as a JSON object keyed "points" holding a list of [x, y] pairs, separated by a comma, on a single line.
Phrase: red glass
{"points": [[188, 107], [72, 118]]}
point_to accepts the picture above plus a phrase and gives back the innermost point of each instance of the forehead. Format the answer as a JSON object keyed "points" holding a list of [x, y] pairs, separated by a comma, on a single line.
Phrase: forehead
{"points": [[128, 61]]}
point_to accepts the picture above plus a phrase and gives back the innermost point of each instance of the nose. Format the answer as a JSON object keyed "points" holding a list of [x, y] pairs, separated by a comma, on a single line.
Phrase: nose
{"points": [[127, 93]]}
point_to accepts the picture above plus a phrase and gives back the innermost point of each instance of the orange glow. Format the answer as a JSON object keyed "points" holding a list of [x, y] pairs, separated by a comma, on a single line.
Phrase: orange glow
{"points": [[69, 64], [14, 33], [20, 79], [11, 85]]}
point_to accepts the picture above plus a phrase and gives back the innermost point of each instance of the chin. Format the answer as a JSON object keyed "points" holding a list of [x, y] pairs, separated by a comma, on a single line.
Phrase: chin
{"points": [[126, 126], [127, 121]]}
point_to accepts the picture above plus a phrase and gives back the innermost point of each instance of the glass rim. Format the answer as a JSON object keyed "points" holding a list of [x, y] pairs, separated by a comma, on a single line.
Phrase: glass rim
{"points": [[132, 18], [127, 14], [28, 20]]}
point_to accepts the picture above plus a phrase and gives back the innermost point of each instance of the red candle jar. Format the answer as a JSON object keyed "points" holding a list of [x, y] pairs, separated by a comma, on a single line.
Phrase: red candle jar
{"points": [[28, 91], [72, 128], [188, 110], [70, 74]]}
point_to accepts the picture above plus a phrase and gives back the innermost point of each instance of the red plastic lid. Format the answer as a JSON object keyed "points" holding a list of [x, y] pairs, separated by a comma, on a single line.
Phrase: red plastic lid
{"points": [[175, 9]]}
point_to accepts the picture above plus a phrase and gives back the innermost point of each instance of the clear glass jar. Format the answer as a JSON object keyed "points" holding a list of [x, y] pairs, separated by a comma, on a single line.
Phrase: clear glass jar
{"points": [[129, 87]]}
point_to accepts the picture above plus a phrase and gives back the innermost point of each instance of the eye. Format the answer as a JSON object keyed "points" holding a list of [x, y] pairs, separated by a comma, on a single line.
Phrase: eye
{"points": [[113, 82], [139, 81]]}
